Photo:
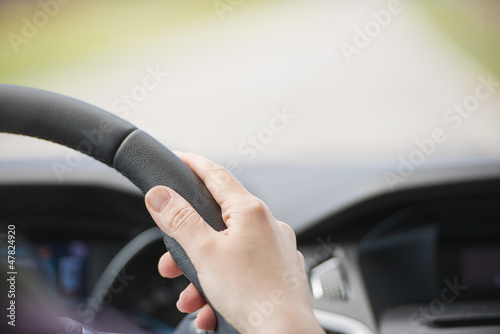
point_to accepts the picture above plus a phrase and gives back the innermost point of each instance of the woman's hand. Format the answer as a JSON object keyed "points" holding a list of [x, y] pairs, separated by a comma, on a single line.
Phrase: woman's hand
{"points": [[251, 272]]}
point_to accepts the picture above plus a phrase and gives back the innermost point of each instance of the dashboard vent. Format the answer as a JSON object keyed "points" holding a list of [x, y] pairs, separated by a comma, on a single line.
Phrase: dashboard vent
{"points": [[328, 281]]}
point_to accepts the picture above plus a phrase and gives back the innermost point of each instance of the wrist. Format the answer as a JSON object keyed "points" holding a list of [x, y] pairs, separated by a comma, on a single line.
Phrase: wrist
{"points": [[294, 323], [291, 320]]}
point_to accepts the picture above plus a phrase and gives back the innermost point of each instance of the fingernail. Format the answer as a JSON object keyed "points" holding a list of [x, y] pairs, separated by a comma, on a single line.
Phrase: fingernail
{"points": [[158, 199], [196, 323], [178, 305], [180, 302]]}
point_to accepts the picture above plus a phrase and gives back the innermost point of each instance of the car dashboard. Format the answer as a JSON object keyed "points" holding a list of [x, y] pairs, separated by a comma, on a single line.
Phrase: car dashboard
{"points": [[419, 260], [425, 259]]}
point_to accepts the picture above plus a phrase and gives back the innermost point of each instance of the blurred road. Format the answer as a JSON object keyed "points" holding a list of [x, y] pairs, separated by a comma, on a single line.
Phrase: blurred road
{"points": [[228, 79], [326, 84]]}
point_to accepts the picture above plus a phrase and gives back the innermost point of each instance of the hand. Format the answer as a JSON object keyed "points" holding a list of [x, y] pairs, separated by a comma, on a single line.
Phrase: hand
{"points": [[251, 272]]}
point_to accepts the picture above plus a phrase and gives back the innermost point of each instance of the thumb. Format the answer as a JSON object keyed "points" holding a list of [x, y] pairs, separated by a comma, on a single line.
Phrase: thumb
{"points": [[178, 219]]}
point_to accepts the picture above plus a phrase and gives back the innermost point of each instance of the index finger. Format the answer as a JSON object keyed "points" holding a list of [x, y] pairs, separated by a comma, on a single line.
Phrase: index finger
{"points": [[221, 184]]}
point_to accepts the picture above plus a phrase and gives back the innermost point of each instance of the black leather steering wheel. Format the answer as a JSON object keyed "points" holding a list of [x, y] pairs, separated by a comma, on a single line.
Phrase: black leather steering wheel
{"points": [[118, 144]]}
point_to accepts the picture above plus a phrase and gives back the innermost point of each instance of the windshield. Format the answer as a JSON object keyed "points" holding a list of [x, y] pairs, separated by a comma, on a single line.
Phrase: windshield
{"points": [[323, 83]]}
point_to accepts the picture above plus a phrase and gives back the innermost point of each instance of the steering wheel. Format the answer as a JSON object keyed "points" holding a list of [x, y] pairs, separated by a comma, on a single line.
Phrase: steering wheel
{"points": [[118, 144]]}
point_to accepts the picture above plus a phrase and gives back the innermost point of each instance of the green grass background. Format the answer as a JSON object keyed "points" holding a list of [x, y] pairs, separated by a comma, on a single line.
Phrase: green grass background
{"points": [[89, 29]]}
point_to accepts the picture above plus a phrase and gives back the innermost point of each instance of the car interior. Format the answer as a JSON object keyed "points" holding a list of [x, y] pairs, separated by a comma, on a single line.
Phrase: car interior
{"points": [[402, 237]]}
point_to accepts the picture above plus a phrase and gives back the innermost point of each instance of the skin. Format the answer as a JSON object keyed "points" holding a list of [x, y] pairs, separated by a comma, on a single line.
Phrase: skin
{"points": [[251, 272]]}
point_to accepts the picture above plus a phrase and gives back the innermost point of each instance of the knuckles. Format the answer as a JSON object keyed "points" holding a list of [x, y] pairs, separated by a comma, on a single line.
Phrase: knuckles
{"points": [[302, 259], [248, 210], [180, 218], [218, 176], [289, 232], [256, 207]]}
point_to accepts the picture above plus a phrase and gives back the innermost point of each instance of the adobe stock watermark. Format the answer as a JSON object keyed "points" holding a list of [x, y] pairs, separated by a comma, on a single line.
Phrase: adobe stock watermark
{"points": [[454, 118], [424, 315], [121, 106], [249, 148], [324, 250], [153, 78], [30, 27], [363, 36], [73, 159], [222, 7], [88, 310], [293, 279]]}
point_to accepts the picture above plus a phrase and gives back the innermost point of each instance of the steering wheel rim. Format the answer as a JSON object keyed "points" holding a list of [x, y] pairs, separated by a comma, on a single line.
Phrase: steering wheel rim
{"points": [[118, 144]]}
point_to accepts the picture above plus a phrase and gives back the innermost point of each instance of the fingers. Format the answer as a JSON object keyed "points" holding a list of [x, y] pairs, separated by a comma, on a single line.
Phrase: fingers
{"points": [[229, 193], [177, 218], [190, 300], [302, 261], [289, 232], [167, 267], [221, 184], [205, 319]]}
